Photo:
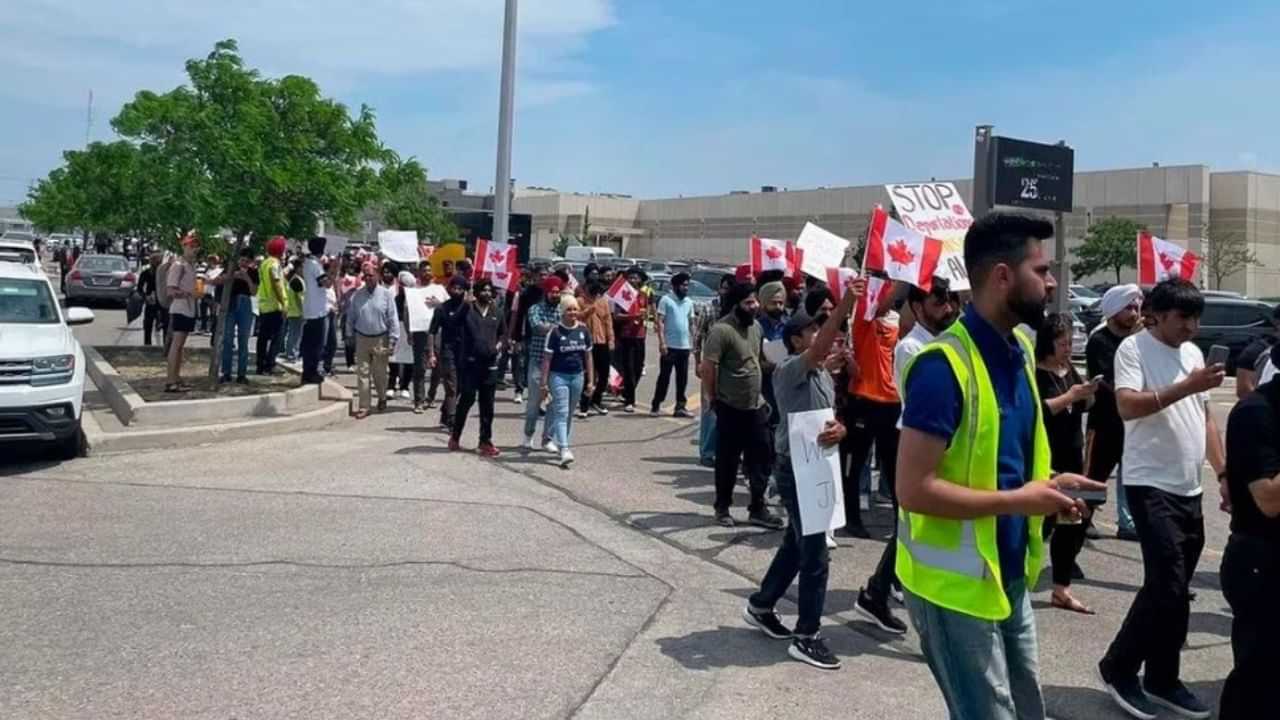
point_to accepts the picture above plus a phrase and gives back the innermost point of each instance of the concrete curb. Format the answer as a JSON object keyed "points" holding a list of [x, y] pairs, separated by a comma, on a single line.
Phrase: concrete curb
{"points": [[134, 411], [100, 442]]}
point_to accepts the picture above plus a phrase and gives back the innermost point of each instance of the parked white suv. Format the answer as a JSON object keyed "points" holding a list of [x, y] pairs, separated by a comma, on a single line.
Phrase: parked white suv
{"points": [[41, 362]]}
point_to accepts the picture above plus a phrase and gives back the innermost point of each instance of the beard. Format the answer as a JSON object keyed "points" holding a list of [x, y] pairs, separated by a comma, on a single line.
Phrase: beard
{"points": [[1027, 309], [744, 316]]}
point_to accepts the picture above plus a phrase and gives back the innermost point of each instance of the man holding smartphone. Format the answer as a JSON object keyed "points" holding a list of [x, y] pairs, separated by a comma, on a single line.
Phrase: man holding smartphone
{"points": [[1162, 394]]}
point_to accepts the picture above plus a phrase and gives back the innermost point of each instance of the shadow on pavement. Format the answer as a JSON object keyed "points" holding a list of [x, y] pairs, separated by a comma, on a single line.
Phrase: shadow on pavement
{"points": [[1088, 703], [724, 647]]}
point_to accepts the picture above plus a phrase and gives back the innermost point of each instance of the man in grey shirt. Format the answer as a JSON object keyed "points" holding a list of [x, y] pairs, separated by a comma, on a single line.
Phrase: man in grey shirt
{"points": [[802, 382], [373, 321]]}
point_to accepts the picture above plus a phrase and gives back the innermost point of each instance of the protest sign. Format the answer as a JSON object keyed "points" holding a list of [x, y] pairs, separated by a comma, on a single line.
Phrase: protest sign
{"points": [[822, 250], [418, 307], [817, 472], [399, 245], [775, 351], [936, 209]]}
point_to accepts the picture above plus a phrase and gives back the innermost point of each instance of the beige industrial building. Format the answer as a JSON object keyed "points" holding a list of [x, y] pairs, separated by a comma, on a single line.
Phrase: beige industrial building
{"points": [[1177, 203]]}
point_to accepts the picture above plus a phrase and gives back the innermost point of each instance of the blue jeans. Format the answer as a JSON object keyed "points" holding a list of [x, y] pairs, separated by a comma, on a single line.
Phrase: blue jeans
{"points": [[803, 555], [239, 326], [292, 338], [986, 670], [1124, 518], [707, 433], [533, 400], [566, 388]]}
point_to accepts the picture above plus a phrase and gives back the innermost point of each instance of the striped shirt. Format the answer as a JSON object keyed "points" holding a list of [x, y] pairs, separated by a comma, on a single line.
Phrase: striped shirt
{"points": [[536, 340]]}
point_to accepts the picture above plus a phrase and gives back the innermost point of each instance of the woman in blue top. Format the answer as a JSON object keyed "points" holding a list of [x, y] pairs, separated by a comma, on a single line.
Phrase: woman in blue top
{"points": [[566, 359]]}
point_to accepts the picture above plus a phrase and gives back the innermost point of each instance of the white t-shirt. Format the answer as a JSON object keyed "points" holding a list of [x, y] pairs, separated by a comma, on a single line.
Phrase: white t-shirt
{"points": [[315, 302], [902, 354], [1268, 372], [1165, 450]]}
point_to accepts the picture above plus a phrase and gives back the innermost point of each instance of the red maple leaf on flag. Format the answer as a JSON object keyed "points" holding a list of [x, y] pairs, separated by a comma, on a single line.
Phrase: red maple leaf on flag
{"points": [[626, 294], [900, 254], [773, 252], [500, 276], [497, 256], [1167, 261]]}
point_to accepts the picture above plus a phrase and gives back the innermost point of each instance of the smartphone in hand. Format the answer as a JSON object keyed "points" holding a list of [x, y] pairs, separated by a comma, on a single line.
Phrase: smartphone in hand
{"points": [[1218, 355]]}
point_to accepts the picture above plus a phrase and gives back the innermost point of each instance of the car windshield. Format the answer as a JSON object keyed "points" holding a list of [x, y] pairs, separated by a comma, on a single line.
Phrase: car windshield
{"points": [[102, 263], [28, 302]]}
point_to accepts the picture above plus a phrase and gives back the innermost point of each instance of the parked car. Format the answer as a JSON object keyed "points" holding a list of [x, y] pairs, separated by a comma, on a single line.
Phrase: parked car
{"points": [[710, 275], [589, 253], [1232, 322], [100, 277], [41, 363], [20, 251], [698, 292]]}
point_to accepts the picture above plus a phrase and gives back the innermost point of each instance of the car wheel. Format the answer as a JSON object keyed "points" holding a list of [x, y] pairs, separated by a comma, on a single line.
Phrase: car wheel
{"points": [[73, 446]]}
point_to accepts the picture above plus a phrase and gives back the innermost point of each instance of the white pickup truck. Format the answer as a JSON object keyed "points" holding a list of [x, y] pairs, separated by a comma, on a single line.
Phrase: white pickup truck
{"points": [[41, 363]]}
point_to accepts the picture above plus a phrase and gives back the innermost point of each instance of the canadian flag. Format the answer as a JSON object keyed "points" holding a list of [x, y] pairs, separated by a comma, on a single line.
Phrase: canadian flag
{"points": [[798, 257], [900, 253], [621, 293], [769, 254], [837, 279], [870, 300], [496, 261], [1160, 260]]}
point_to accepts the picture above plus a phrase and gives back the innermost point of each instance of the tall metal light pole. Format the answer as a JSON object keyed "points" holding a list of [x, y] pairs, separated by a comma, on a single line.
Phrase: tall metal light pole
{"points": [[506, 101]]}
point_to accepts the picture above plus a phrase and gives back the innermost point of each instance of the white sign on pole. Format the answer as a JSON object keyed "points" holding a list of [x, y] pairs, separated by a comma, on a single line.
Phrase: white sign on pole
{"points": [[420, 304], [937, 210], [399, 245], [822, 250], [817, 472]]}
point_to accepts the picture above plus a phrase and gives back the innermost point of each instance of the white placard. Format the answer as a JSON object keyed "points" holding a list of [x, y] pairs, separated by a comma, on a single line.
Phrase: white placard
{"points": [[416, 305], [817, 472], [399, 245], [775, 351], [822, 250], [937, 210]]}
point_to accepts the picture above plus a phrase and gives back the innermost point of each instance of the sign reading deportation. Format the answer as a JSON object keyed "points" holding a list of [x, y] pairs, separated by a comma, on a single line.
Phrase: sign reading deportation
{"points": [[936, 209], [1032, 175]]}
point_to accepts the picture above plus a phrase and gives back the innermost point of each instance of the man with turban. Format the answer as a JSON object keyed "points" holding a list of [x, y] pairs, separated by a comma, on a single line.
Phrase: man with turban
{"points": [[271, 305]]}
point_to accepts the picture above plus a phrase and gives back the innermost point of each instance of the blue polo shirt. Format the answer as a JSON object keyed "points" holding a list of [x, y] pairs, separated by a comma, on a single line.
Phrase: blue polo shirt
{"points": [[933, 404]]}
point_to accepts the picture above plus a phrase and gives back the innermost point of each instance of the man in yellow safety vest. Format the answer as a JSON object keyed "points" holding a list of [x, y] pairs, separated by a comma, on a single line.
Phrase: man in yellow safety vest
{"points": [[974, 481]]}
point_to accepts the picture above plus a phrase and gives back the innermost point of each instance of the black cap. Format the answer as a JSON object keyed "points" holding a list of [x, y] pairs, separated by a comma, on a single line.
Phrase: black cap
{"points": [[796, 324]]}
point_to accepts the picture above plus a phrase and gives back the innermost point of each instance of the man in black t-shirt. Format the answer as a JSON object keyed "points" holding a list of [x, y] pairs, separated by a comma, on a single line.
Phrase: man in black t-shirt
{"points": [[1247, 363], [1251, 564], [1104, 445]]}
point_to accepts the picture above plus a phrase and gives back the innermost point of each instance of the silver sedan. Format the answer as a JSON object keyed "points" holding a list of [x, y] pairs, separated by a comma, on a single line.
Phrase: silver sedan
{"points": [[100, 277]]}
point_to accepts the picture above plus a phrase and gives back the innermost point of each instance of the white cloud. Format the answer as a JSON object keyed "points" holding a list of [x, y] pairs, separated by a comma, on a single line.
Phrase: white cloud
{"points": [[54, 50]]}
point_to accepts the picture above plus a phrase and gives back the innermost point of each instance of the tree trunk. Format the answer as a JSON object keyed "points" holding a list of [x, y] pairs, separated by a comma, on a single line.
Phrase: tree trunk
{"points": [[229, 266]]}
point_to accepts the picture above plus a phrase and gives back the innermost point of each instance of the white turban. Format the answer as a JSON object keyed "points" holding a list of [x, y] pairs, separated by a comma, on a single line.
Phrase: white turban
{"points": [[407, 279], [1118, 298]]}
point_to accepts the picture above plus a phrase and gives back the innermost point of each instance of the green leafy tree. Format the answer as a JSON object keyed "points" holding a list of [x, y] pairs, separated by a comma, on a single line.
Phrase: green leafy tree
{"points": [[408, 204], [1228, 254], [1110, 244]]}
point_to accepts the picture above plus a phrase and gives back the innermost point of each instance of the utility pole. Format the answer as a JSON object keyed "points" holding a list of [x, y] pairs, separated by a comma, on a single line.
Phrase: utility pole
{"points": [[506, 101], [88, 122], [983, 182]]}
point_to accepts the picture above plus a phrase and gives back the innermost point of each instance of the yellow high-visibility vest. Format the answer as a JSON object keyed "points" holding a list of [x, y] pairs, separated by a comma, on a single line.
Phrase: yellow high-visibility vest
{"points": [[955, 564]]}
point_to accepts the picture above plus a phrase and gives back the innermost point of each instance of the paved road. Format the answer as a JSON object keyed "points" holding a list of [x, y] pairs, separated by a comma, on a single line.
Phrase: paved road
{"points": [[366, 572]]}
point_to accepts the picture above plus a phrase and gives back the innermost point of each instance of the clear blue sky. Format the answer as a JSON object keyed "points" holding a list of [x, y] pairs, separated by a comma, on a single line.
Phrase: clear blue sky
{"points": [[666, 97]]}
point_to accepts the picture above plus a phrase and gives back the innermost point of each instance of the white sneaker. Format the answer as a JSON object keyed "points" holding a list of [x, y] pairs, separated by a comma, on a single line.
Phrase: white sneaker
{"points": [[528, 443], [551, 447], [566, 457], [391, 394], [518, 398], [896, 594], [404, 395], [831, 542]]}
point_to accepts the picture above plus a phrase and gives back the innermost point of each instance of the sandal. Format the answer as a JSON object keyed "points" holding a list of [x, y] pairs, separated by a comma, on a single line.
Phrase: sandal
{"points": [[1071, 604], [174, 388], [361, 414]]}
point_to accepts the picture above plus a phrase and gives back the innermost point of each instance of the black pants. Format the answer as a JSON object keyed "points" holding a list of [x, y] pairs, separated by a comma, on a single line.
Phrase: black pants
{"points": [[476, 384], [330, 342], [868, 422], [600, 365], [803, 555], [269, 340], [742, 433], [679, 361], [630, 364], [418, 370], [1065, 543], [312, 348], [156, 318], [447, 370], [1250, 582], [1171, 533]]}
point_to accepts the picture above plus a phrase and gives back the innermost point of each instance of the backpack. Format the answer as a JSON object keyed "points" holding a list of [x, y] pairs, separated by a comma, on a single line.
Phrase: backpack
{"points": [[162, 284]]}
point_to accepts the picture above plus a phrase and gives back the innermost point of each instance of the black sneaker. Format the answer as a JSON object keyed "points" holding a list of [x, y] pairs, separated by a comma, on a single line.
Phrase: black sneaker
{"points": [[724, 519], [766, 622], [879, 614], [681, 413], [853, 531], [1180, 700], [1129, 696], [765, 519], [813, 651]]}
